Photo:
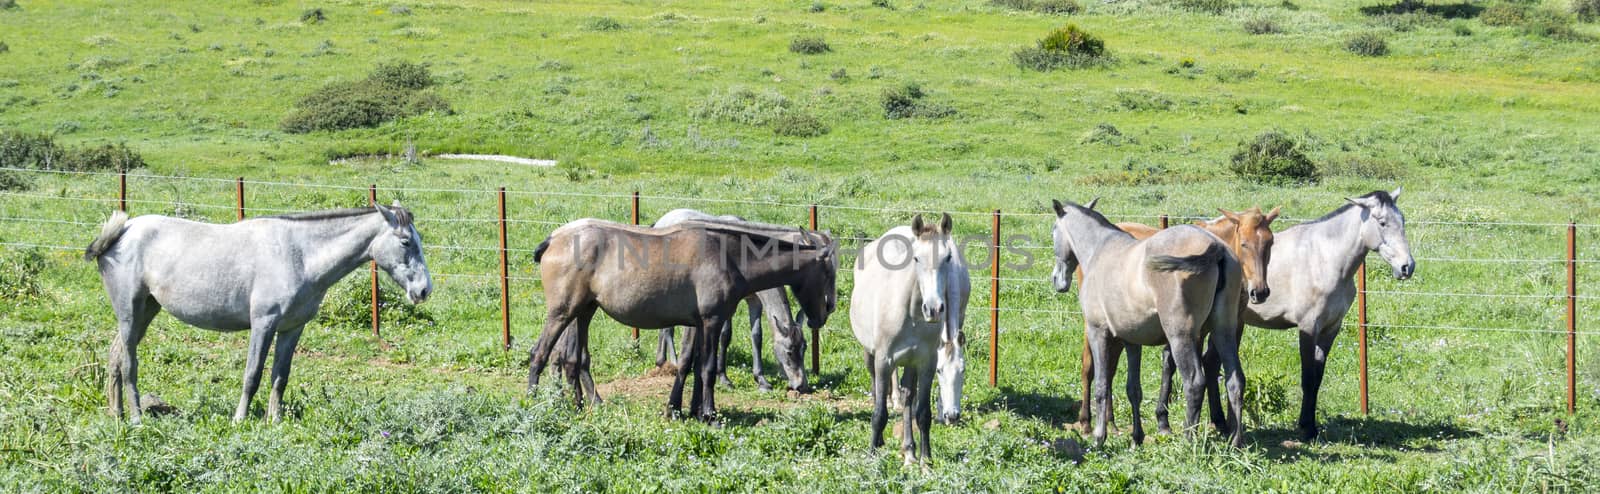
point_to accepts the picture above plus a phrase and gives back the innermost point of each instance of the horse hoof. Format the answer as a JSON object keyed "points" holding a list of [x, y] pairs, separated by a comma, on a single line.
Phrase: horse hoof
{"points": [[764, 387]]}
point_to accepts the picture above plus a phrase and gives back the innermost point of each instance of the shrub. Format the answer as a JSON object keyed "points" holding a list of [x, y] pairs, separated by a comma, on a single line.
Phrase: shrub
{"points": [[809, 45], [1368, 168], [1073, 41], [14, 181], [402, 75], [840, 75], [391, 91], [1102, 133], [1367, 45], [602, 24], [19, 275], [1067, 47], [796, 124], [4, 47], [101, 158], [1461, 29], [1143, 100], [313, 16], [1502, 14], [24, 150], [742, 105], [1216, 7], [1272, 157], [906, 102], [8, 5], [1262, 25], [1586, 10], [1552, 24], [882, 4], [816, 7], [1057, 7]]}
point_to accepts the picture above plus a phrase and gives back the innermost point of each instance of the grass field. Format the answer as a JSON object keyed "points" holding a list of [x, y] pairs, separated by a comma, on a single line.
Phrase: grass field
{"points": [[1490, 128]]}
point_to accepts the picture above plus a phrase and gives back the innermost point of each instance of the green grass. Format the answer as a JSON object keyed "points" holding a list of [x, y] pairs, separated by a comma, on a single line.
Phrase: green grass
{"points": [[1496, 126]]}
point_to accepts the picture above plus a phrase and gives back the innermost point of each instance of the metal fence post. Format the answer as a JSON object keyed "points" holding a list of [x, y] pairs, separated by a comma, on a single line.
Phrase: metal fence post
{"points": [[505, 278], [122, 190], [1572, 318], [1361, 330], [635, 222], [239, 192], [816, 333], [994, 302], [372, 196]]}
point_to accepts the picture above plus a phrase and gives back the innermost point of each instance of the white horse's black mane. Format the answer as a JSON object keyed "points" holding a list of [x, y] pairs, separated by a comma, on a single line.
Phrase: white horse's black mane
{"points": [[403, 214]]}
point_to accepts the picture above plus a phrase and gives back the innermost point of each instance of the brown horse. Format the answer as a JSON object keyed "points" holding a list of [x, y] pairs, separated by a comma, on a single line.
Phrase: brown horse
{"points": [[1248, 234], [693, 274]]}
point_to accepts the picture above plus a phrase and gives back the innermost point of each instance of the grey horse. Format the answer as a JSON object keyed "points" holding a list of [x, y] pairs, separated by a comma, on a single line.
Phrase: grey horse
{"points": [[906, 309], [788, 338], [267, 275], [1174, 288], [1312, 274]]}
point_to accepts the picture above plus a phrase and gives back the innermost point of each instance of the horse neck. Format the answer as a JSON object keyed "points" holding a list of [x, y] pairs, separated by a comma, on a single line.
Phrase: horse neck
{"points": [[335, 247], [776, 305], [775, 269], [1342, 234], [1089, 238], [1227, 231]]}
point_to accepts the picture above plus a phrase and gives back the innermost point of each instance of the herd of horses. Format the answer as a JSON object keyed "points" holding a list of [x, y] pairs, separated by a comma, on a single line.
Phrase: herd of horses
{"points": [[1189, 289]]}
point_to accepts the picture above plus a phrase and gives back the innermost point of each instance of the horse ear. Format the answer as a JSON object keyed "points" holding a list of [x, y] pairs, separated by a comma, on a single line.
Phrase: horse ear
{"points": [[946, 224], [1229, 215], [1091, 203], [388, 215], [1396, 194], [1360, 201], [1271, 216], [916, 224], [800, 318], [1060, 210]]}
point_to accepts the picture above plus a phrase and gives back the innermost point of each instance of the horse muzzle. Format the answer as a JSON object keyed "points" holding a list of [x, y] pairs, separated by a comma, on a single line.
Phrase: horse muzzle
{"points": [[932, 314], [951, 418], [417, 296], [1259, 295], [1404, 271]]}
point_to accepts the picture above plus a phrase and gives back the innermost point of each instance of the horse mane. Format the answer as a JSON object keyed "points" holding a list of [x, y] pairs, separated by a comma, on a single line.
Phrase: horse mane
{"points": [[403, 214], [734, 229], [1094, 215], [1384, 199]]}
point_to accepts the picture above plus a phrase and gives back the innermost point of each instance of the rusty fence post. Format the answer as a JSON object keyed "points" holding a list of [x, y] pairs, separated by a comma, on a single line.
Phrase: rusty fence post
{"points": [[1163, 222], [122, 190], [635, 222], [1572, 318], [238, 189], [372, 196], [505, 278], [816, 333], [994, 302], [1361, 330]]}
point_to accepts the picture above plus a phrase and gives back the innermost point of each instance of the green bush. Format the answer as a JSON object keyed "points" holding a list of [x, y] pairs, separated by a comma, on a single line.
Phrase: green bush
{"points": [[1367, 45], [906, 102], [742, 105], [796, 124], [1586, 10], [1273, 157], [313, 16], [8, 5], [14, 181], [809, 45], [1073, 41], [602, 24], [1102, 133], [401, 74], [1067, 47], [40, 151], [1143, 100], [1216, 7], [1552, 24], [1503, 14], [1058, 7], [19, 275], [1262, 25], [4, 47], [392, 91]]}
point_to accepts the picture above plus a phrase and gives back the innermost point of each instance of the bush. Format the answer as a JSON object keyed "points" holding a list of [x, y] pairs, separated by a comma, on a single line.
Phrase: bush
{"points": [[1461, 29], [742, 105], [796, 124], [1216, 7], [1502, 14], [1067, 47], [14, 181], [882, 4], [1073, 41], [402, 75], [602, 24], [106, 157], [906, 102], [313, 16], [1552, 24], [1102, 133], [809, 45], [390, 92], [40, 151], [9, 5], [19, 275], [816, 7], [1367, 45], [1273, 157], [1586, 10], [1262, 25], [4, 47], [1143, 100], [1058, 7]]}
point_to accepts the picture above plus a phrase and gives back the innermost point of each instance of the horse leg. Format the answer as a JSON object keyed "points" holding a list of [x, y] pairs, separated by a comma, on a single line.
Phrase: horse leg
{"points": [[1164, 396], [724, 337], [882, 370], [580, 348], [1212, 364], [711, 330], [122, 376], [1186, 355], [1225, 346], [261, 333], [909, 377], [1314, 347], [664, 350], [755, 347], [1105, 350], [923, 402], [1084, 413], [281, 357], [555, 323], [1135, 393], [686, 359]]}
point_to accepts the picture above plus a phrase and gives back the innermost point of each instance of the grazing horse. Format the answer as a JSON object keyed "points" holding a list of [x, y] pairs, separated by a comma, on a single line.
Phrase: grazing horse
{"points": [[907, 308], [267, 275], [789, 339], [1175, 288], [693, 274], [1312, 274], [1249, 235]]}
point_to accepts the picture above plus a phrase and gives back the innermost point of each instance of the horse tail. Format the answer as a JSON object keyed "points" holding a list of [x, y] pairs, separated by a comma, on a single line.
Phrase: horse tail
{"points": [[109, 233], [538, 252], [1189, 264]]}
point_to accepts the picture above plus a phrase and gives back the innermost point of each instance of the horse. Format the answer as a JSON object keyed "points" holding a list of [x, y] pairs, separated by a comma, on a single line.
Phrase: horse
{"points": [[1312, 273], [267, 275], [789, 339], [693, 274], [1175, 288], [912, 318], [1248, 234]]}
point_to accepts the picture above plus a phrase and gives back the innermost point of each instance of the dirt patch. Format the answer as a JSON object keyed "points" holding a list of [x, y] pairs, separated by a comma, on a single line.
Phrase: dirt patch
{"points": [[656, 383]]}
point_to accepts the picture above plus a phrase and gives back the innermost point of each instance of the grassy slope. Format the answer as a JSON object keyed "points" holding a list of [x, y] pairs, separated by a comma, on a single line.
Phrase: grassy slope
{"points": [[1493, 126]]}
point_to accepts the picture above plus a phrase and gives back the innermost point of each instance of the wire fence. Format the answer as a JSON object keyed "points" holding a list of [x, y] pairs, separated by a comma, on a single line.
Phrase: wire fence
{"points": [[489, 251]]}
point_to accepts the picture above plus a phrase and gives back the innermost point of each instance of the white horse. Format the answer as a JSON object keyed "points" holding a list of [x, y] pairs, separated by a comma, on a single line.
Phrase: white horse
{"points": [[1312, 274], [267, 275], [907, 308]]}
